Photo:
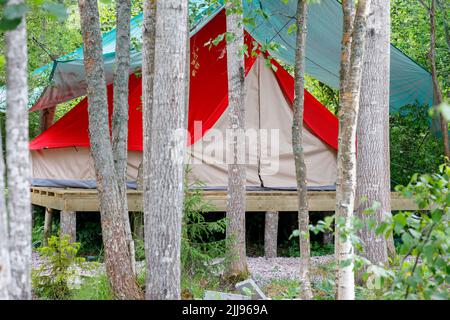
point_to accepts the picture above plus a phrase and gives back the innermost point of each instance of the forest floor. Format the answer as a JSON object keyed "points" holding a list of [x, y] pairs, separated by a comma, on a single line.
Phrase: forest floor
{"points": [[277, 277]]}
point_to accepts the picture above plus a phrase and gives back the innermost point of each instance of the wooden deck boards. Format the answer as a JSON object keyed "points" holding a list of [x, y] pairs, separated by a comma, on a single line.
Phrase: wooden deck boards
{"points": [[83, 200]]}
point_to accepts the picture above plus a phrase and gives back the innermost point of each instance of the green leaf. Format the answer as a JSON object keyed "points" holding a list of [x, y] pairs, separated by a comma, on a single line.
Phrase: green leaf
{"points": [[56, 10], [6, 25], [15, 11]]}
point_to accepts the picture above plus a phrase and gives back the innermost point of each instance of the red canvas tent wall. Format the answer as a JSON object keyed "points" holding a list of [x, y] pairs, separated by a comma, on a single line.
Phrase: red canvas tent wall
{"points": [[61, 154]]}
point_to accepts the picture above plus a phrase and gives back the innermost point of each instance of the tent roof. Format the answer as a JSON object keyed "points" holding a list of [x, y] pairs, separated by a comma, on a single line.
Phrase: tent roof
{"points": [[208, 99], [410, 83]]}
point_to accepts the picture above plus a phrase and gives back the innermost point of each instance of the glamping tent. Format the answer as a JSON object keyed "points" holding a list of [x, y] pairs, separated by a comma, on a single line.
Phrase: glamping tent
{"points": [[61, 155]]}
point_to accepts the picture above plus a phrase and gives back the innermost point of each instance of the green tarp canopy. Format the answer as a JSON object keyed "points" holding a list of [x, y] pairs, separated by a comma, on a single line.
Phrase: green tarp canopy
{"points": [[64, 78]]}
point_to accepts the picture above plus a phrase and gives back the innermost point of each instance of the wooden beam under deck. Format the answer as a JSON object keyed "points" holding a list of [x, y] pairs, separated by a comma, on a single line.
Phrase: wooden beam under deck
{"points": [[83, 200]]}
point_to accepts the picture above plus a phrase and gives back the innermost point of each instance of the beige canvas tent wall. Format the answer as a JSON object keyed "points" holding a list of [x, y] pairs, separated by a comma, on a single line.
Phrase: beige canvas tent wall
{"points": [[268, 151]]}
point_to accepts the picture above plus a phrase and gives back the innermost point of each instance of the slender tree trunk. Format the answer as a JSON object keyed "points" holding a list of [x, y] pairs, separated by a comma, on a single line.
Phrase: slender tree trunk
{"points": [[68, 225], [164, 151], [437, 94], [299, 157], [46, 118], [148, 74], [5, 266], [271, 234], [18, 161], [138, 217], [47, 226], [373, 161], [120, 113], [236, 116], [354, 32], [117, 258]]}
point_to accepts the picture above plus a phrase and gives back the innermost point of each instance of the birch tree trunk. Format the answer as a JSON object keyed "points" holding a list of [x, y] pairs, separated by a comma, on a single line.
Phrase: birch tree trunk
{"points": [[299, 157], [120, 113], [373, 161], [5, 266], [235, 233], [164, 149], [112, 209], [352, 54], [18, 161]]}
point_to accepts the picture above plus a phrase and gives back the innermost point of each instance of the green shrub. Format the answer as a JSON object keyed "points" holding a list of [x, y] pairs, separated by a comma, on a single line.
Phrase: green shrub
{"points": [[291, 247], [198, 246], [51, 280], [422, 269], [414, 148]]}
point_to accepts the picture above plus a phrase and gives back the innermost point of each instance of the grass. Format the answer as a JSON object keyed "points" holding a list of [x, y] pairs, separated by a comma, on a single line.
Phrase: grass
{"points": [[94, 288], [98, 288], [282, 289]]}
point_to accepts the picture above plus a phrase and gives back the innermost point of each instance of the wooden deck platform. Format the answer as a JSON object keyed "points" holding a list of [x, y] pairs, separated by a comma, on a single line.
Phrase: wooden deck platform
{"points": [[83, 200]]}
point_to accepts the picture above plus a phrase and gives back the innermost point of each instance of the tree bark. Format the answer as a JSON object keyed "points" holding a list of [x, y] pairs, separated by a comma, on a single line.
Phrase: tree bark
{"points": [[18, 161], [138, 217], [47, 226], [352, 54], [5, 266], [112, 209], [299, 157], [373, 161], [271, 234], [120, 112], [46, 118], [148, 74], [68, 225], [235, 233], [164, 147], [437, 94]]}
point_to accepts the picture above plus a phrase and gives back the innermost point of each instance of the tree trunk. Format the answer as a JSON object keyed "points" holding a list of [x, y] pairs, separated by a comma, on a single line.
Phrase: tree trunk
{"points": [[299, 157], [271, 234], [373, 161], [5, 266], [47, 226], [46, 118], [235, 233], [68, 225], [138, 217], [352, 54], [112, 209], [120, 112], [18, 161], [437, 94], [148, 74], [164, 146]]}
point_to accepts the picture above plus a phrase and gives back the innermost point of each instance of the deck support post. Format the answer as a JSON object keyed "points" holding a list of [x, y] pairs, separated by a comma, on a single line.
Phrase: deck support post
{"points": [[69, 224], [47, 225], [271, 234]]}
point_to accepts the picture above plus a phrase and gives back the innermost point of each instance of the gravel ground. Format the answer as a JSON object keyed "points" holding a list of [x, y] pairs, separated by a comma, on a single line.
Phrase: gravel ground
{"points": [[263, 270]]}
